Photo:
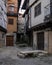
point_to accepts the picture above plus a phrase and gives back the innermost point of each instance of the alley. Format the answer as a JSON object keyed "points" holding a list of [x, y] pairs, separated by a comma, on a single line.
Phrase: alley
{"points": [[25, 25], [8, 56]]}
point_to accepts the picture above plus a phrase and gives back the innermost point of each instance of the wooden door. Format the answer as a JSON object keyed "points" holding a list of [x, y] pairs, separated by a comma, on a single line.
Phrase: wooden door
{"points": [[40, 41], [9, 41]]}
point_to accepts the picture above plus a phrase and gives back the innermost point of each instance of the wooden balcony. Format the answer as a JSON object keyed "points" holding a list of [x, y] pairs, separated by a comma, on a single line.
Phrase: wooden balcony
{"points": [[48, 13], [12, 14]]}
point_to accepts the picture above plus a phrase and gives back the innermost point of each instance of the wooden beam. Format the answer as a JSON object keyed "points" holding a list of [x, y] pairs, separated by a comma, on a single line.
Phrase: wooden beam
{"points": [[30, 7]]}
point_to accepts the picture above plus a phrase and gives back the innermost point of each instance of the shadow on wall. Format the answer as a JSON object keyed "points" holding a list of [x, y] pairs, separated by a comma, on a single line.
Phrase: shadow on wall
{"points": [[23, 40]]}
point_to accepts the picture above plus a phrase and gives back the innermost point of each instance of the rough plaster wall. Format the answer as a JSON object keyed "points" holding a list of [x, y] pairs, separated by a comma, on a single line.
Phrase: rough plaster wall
{"points": [[50, 42], [46, 40], [34, 40]]}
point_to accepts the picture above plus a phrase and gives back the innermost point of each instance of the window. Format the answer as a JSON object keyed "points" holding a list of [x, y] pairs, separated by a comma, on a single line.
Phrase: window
{"points": [[11, 8], [10, 21], [37, 10]]}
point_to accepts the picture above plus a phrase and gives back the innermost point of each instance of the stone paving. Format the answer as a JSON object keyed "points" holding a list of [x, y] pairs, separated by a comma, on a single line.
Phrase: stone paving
{"points": [[8, 56]]}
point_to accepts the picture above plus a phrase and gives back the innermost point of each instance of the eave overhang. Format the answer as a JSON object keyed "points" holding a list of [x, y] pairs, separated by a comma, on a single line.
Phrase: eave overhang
{"points": [[30, 7], [42, 26], [3, 29]]}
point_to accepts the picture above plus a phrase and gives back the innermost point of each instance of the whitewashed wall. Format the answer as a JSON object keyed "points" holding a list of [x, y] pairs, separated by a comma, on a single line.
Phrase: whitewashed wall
{"points": [[3, 16], [2, 4], [40, 18]]}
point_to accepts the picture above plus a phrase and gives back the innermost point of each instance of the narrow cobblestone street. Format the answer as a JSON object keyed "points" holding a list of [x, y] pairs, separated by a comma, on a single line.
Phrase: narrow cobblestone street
{"points": [[8, 56]]}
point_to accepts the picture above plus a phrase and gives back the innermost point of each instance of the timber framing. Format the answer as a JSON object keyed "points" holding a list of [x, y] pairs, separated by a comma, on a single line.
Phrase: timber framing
{"points": [[30, 7], [42, 26], [12, 14]]}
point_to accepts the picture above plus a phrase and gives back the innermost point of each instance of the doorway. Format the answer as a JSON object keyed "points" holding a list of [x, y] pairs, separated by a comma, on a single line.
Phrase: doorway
{"points": [[9, 40], [40, 41]]}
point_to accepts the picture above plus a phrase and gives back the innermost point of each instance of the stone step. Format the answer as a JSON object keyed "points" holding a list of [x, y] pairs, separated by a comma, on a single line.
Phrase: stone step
{"points": [[31, 53], [20, 55]]}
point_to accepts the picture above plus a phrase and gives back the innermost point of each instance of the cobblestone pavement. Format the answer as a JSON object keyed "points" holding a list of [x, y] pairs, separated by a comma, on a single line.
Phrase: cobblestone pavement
{"points": [[8, 56]]}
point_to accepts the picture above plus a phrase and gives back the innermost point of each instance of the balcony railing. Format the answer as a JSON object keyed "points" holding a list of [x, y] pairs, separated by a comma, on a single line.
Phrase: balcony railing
{"points": [[48, 12], [12, 14]]}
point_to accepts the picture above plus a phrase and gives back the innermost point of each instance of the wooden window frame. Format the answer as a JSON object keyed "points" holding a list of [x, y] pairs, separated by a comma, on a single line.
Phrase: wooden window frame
{"points": [[10, 21], [37, 10]]}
